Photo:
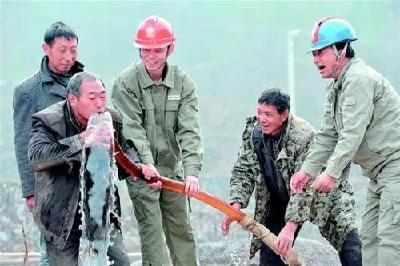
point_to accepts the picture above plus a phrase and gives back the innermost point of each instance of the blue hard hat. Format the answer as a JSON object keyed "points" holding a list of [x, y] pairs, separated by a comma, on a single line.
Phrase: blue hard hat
{"points": [[328, 31]]}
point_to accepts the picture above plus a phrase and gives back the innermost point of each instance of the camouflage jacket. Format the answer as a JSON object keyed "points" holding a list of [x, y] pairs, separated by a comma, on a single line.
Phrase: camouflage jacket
{"points": [[332, 212]]}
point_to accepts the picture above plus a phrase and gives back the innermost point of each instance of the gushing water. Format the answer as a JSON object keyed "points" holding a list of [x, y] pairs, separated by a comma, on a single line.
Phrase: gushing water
{"points": [[97, 192]]}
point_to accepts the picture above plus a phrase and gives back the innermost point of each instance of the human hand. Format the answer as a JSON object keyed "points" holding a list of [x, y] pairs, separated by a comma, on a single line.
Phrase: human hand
{"points": [[324, 183], [150, 173], [155, 185], [226, 222], [30, 202], [191, 185], [284, 241], [101, 134], [298, 181]]}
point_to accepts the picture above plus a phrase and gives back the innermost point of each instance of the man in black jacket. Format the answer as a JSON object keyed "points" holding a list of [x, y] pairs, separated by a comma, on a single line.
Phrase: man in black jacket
{"points": [[45, 87], [55, 148]]}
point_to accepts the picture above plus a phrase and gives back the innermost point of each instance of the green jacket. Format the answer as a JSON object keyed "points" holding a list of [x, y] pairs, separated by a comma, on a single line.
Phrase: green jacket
{"points": [[309, 206], [161, 120], [361, 123]]}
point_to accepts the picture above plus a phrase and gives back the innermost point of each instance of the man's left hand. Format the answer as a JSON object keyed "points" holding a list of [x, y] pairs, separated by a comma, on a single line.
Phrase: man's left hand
{"points": [[284, 241], [324, 183], [191, 185]]}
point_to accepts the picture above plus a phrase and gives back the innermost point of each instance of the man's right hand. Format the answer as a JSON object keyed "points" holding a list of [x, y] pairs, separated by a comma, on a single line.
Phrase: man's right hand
{"points": [[226, 222], [30, 202], [149, 171], [298, 181], [284, 240]]}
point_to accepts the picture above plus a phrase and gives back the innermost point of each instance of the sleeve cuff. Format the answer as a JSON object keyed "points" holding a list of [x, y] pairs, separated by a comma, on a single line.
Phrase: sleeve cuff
{"points": [[147, 159], [75, 143], [333, 171], [191, 171], [300, 222], [309, 170], [296, 218], [243, 202], [27, 194]]}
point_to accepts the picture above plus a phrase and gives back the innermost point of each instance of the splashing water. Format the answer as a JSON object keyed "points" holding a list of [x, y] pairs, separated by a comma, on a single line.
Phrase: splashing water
{"points": [[235, 247], [97, 192]]}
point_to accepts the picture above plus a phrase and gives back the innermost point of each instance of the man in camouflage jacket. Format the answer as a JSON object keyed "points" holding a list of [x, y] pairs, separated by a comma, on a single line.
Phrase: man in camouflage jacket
{"points": [[277, 134]]}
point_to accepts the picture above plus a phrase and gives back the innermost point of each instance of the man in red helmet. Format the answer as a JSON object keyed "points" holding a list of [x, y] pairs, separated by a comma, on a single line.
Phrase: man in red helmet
{"points": [[158, 104], [361, 125]]}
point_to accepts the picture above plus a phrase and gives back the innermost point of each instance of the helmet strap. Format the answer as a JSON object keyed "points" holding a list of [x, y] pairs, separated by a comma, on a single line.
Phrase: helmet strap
{"points": [[341, 54], [338, 55]]}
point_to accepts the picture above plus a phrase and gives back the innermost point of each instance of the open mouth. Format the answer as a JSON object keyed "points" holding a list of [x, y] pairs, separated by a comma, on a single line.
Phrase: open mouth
{"points": [[152, 64], [320, 67]]}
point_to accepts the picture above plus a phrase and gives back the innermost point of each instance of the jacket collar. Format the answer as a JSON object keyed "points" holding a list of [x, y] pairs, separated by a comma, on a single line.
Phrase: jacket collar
{"points": [[74, 122], [45, 75], [285, 138], [145, 81], [284, 135], [337, 85]]}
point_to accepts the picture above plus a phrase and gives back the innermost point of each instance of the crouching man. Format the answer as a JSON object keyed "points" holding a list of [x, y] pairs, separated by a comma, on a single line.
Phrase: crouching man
{"points": [[274, 146]]}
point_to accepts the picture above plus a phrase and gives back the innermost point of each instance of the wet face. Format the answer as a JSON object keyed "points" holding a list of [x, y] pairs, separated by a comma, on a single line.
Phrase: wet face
{"points": [[326, 62], [269, 119], [154, 59], [62, 54], [92, 99]]}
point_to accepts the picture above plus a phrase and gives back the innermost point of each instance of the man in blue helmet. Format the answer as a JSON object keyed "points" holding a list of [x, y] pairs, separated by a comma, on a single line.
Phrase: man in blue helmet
{"points": [[361, 125]]}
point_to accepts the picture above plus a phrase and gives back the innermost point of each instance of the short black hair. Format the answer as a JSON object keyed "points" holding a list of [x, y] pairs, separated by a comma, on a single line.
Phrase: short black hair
{"points": [[277, 97], [57, 30], [349, 50], [74, 84]]}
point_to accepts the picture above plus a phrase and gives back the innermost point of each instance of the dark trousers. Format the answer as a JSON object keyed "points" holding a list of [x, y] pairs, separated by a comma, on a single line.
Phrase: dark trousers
{"points": [[267, 256], [70, 253], [350, 254]]}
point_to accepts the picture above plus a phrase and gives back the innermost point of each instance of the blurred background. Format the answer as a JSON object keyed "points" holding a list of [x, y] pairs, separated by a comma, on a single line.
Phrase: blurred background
{"points": [[232, 49]]}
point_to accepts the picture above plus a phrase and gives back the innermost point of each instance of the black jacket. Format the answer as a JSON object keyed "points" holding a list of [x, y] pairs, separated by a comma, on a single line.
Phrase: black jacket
{"points": [[55, 155], [33, 95]]}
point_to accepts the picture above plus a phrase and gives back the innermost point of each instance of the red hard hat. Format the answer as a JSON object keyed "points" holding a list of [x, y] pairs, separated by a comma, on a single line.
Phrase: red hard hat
{"points": [[154, 32]]}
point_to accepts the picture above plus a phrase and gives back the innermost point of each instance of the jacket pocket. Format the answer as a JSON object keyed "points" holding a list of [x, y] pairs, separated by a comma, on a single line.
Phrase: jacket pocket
{"points": [[45, 212], [133, 190], [171, 114], [148, 118]]}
